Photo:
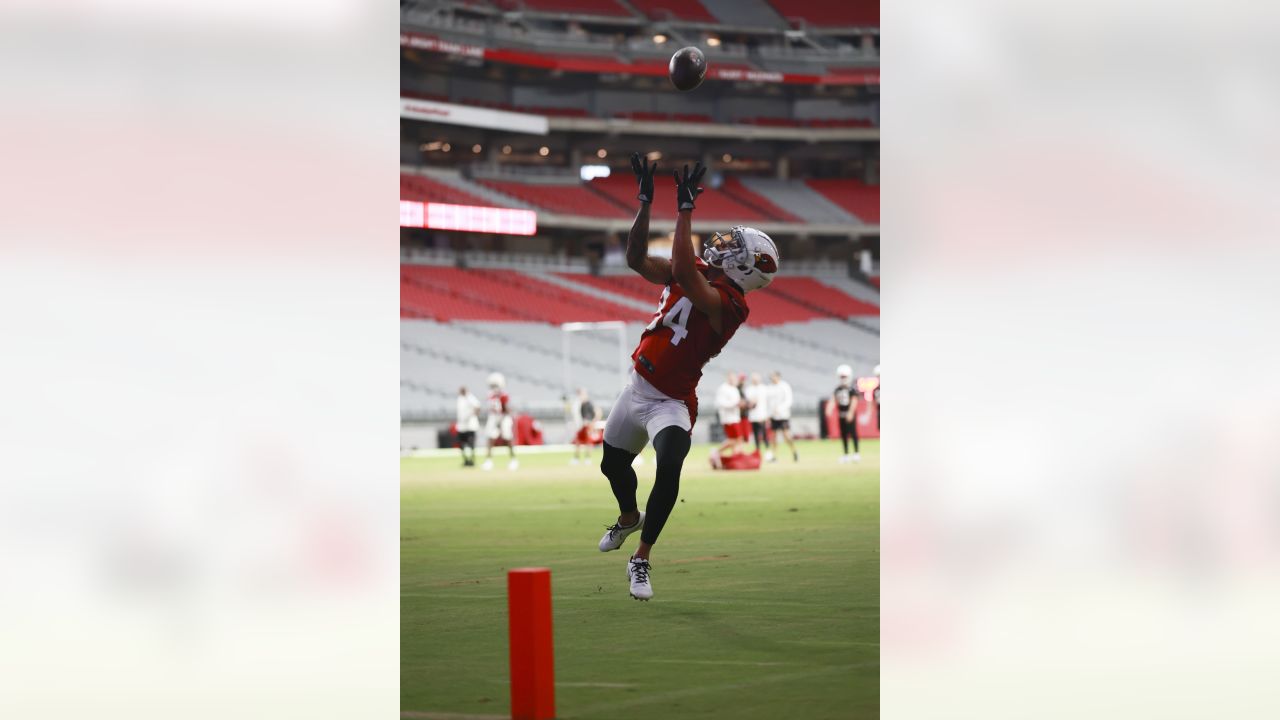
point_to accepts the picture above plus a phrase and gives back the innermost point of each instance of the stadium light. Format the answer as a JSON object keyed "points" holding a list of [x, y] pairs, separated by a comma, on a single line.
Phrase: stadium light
{"points": [[713, 41], [602, 153], [659, 38], [544, 151], [588, 172]]}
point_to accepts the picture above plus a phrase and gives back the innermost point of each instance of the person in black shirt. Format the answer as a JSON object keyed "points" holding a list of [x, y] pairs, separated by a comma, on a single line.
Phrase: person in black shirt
{"points": [[587, 416], [846, 397]]}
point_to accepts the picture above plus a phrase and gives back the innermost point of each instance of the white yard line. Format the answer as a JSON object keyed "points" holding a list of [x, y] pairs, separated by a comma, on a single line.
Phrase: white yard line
{"points": [[656, 697], [611, 597], [520, 450]]}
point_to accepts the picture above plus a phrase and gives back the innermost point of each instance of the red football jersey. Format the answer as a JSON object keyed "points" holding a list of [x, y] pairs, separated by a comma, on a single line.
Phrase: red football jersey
{"points": [[679, 339], [497, 402]]}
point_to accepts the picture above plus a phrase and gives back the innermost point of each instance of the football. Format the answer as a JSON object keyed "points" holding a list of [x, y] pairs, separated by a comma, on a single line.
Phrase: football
{"points": [[687, 68]]}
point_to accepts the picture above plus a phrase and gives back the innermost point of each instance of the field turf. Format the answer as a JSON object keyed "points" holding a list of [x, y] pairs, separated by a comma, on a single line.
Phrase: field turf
{"points": [[766, 589]]}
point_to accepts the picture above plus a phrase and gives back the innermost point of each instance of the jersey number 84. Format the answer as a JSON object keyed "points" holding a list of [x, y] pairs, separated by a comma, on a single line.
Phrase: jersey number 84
{"points": [[676, 318]]}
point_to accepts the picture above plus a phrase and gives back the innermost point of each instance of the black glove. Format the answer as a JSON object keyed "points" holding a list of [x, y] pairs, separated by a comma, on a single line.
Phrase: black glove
{"points": [[644, 174], [687, 189]]}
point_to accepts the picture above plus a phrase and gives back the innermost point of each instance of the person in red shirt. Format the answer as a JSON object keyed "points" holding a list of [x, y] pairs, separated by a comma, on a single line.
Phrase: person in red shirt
{"points": [[702, 304], [500, 426]]}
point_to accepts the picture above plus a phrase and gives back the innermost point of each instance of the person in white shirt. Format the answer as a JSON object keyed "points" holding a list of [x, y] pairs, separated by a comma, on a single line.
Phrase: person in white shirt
{"points": [[728, 405], [758, 411], [468, 424], [780, 413]]}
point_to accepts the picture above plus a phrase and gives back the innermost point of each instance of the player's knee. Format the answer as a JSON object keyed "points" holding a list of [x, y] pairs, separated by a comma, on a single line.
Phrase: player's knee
{"points": [[614, 460], [671, 446]]}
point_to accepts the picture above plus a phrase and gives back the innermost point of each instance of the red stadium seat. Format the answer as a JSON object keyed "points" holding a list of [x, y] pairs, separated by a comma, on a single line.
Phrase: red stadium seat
{"points": [[690, 10], [810, 292], [766, 308], [712, 204], [630, 285], [425, 189], [733, 186], [567, 199], [576, 7], [858, 198], [831, 13], [773, 122], [449, 293], [438, 301], [787, 299]]}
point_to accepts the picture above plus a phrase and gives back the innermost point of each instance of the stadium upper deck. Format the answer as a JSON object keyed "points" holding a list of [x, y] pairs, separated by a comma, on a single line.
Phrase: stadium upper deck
{"points": [[533, 106]]}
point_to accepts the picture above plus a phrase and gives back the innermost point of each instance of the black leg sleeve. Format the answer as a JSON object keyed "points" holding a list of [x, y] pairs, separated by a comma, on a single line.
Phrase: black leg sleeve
{"points": [[671, 445], [616, 465], [853, 431]]}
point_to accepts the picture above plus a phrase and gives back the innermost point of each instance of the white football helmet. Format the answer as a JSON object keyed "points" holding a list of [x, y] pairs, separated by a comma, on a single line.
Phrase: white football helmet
{"points": [[496, 381], [746, 255], [844, 372]]}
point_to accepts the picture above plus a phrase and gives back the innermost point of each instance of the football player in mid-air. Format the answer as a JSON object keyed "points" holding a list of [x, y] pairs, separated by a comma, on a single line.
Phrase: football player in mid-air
{"points": [[701, 306]]}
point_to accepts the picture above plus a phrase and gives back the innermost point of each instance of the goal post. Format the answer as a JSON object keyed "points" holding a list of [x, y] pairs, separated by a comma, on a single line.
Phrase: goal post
{"points": [[568, 330]]}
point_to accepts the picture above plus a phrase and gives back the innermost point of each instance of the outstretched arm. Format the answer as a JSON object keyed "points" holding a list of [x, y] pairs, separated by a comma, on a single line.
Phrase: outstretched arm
{"points": [[655, 270], [683, 267]]}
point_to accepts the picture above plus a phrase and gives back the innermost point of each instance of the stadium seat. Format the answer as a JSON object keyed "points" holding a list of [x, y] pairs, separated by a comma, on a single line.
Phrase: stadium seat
{"points": [[829, 13], [788, 299], [690, 10], [607, 8], [568, 199], [424, 189], [810, 292], [712, 204], [446, 293], [733, 186], [858, 198]]}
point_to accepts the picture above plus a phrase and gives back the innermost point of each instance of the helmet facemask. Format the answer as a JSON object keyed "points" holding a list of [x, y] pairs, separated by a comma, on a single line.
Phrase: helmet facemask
{"points": [[747, 256], [726, 251]]}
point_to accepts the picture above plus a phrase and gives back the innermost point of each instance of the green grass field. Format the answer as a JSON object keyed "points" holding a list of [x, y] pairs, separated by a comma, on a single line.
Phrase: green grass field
{"points": [[766, 589]]}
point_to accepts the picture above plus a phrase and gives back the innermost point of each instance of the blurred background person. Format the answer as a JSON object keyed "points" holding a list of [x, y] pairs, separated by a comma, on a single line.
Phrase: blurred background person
{"points": [[779, 404], [876, 396], [846, 398], [758, 412], [468, 424], [499, 426], [729, 406], [744, 424], [587, 416]]}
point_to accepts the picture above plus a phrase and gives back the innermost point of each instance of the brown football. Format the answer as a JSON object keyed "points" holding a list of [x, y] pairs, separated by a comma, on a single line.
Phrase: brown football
{"points": [[687, 68]]}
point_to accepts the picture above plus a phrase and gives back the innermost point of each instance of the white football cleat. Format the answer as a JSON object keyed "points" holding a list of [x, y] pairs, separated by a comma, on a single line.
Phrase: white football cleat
{"points": [[768, 456], [513, 464], [488, 464], [855, 458], [616, 534], [573, 461], [638, 575]]}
